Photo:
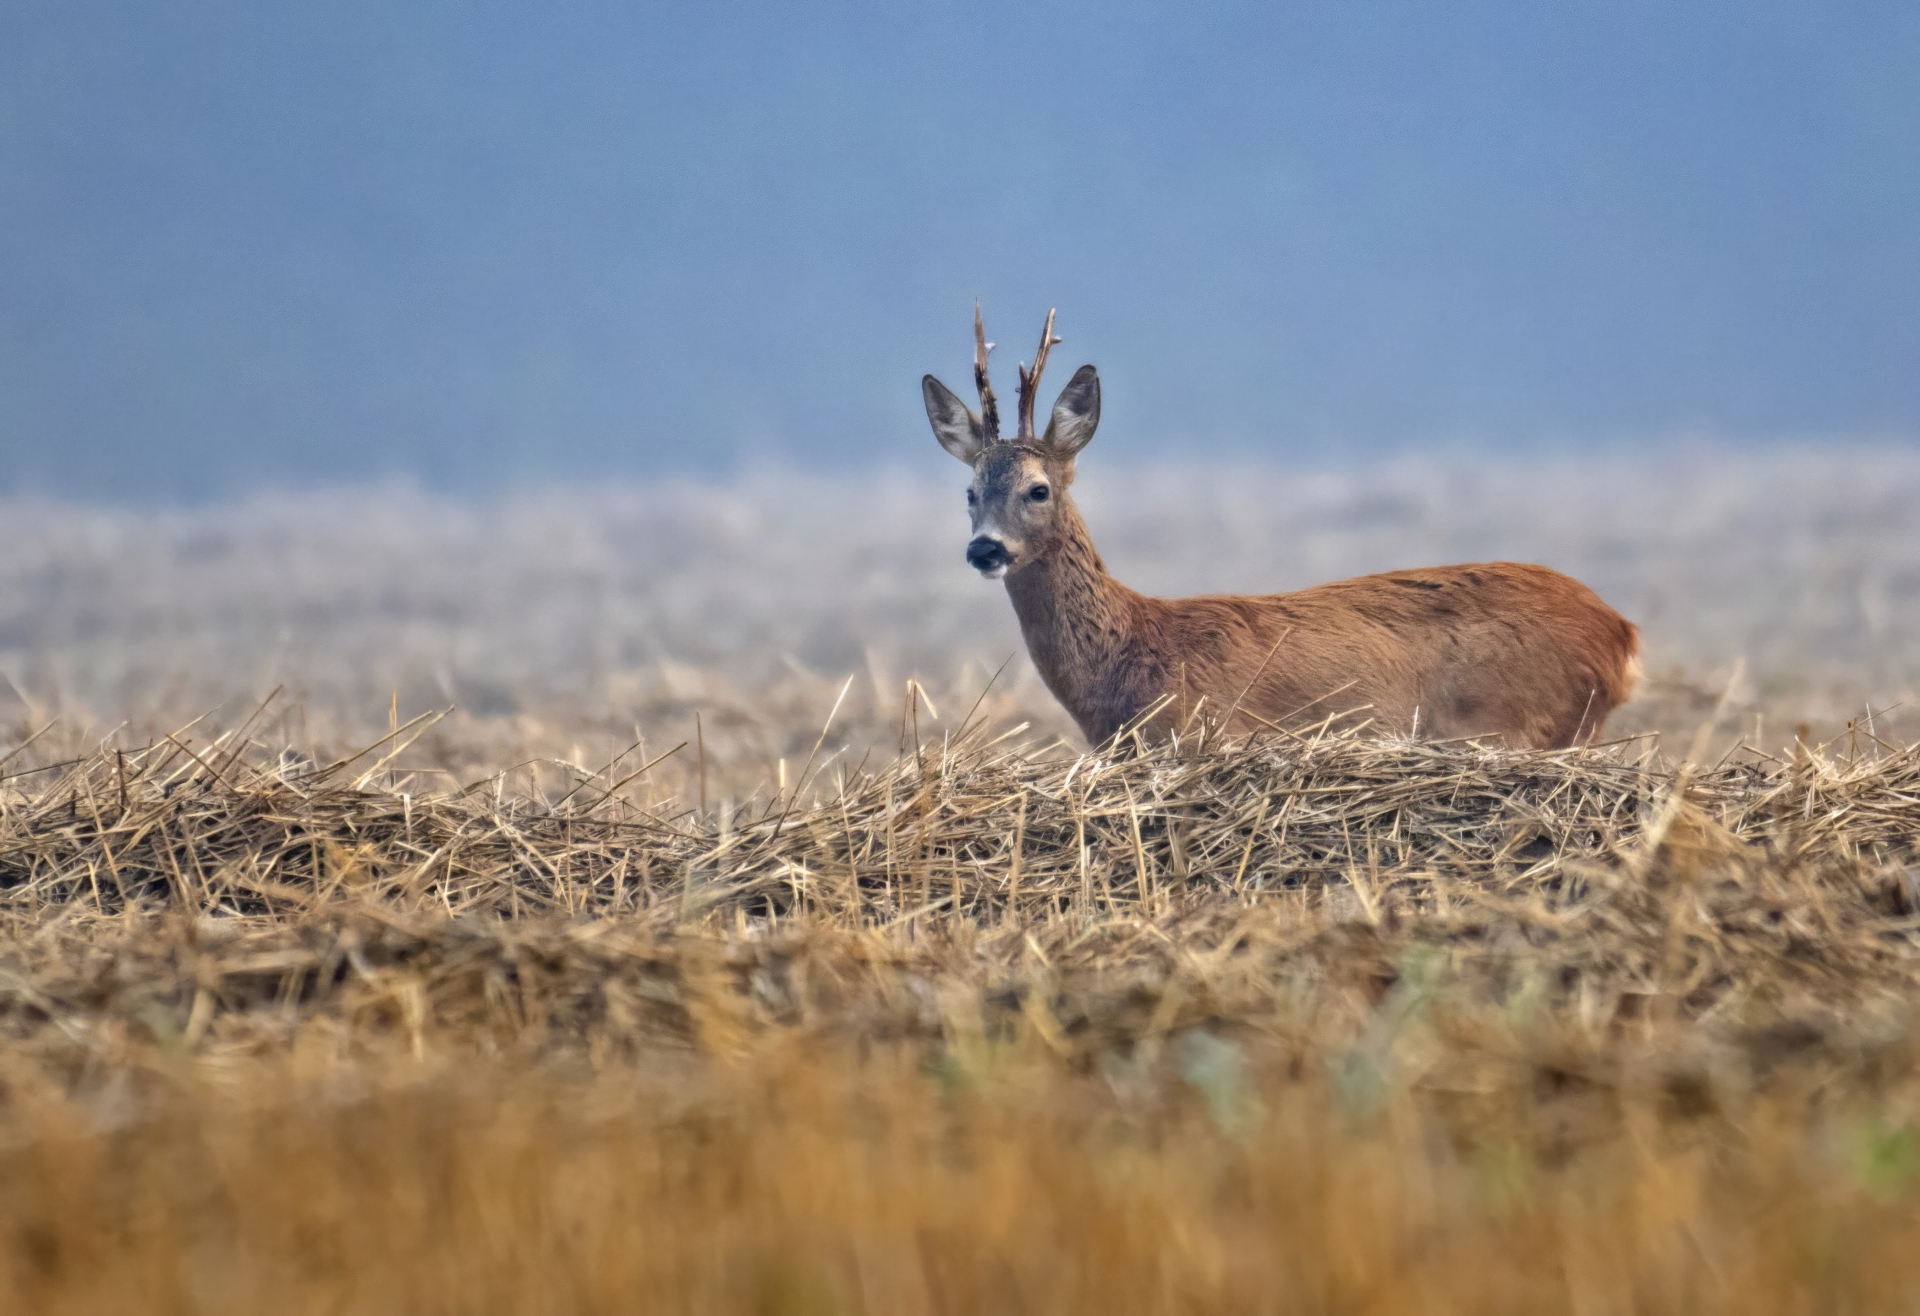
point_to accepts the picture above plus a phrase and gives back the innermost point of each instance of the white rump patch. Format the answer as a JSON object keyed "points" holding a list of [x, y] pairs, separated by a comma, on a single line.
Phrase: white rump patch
{"points": [[1636, 671]]}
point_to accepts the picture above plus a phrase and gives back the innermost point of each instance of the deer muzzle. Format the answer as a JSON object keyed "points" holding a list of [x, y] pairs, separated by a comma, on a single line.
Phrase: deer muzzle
{"points": [[988, 556]]}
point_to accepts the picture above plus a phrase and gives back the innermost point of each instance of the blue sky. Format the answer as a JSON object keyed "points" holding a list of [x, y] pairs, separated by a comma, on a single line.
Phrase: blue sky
{"points": [[480, 243]]}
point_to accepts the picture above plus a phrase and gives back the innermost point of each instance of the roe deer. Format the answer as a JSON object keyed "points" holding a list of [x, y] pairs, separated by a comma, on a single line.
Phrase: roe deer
{"points": [[1502, 650]]}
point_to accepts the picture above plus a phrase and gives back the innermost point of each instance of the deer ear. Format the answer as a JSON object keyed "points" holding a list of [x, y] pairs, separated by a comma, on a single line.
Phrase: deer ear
{"points": [[957, 428], [1075, 415]]}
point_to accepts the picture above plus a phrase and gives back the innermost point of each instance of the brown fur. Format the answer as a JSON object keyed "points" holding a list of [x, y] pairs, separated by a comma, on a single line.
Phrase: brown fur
{"points": [[1502, 650], [1505, 651]]}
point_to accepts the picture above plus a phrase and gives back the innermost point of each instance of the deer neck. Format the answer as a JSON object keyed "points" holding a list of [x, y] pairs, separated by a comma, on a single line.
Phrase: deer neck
{"points": [[1076, 619]]}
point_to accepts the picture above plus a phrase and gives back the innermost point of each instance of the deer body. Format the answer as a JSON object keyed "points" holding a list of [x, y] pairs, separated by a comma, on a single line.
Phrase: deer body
{"points": [[1502, 650], [1497, 649]]}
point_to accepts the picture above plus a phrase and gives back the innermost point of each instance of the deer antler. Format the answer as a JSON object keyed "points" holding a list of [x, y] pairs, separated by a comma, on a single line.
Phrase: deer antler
{"points": [[1030, 381], [989, 408]]}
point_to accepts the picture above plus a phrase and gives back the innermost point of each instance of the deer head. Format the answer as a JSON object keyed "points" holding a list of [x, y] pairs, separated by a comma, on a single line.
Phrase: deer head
{"points": [[1018, 498]]}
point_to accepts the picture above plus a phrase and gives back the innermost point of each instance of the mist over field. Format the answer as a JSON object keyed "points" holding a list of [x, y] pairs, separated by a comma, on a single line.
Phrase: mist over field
{"points": [[576, 613], [492, 243]]}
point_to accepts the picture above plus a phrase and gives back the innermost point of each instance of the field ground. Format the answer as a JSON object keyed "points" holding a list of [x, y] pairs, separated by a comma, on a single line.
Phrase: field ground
{"points": [[333, 1000]]}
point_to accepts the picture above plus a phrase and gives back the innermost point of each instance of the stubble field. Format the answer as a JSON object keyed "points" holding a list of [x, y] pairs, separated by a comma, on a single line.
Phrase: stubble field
{"points": [[686, 898]]}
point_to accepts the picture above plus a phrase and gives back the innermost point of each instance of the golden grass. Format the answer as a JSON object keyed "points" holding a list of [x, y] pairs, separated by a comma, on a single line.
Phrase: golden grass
{"points": [[1317, 1023], [810, 1175]]}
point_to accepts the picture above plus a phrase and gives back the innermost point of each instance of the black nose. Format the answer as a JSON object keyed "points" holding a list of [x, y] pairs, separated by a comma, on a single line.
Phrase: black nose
{"points": [[984, 554]]}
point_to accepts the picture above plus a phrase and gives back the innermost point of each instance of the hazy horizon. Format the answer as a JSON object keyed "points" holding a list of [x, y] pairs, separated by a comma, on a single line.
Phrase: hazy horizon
{"points": [[473, 245]]}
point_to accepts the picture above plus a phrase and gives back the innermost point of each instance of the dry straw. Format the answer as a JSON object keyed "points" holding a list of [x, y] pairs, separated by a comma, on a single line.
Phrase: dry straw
{"points": [[1791, 870]]}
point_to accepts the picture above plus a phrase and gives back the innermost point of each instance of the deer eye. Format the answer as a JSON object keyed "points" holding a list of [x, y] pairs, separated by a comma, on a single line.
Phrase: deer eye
{"points": [[972, 498], [1038, 493]]}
